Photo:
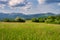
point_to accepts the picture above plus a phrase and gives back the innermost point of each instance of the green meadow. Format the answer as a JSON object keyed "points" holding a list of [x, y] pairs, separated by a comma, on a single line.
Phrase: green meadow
{"points": [[29, 31]]}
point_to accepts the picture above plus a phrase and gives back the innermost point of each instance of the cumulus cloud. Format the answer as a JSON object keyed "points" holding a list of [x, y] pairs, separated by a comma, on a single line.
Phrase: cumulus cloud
{"points": [[27, 6], [2, 6], [5, 11], [48, 1], [59, 4], [15, 2], [20, 4], [41, 1], [3, 0]]}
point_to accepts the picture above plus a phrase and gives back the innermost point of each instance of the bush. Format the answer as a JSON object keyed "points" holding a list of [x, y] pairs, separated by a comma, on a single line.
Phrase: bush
{"points": [[57, 21], [53, 19], [35, 20], [50, 19], [17, 19], [41, 19]]}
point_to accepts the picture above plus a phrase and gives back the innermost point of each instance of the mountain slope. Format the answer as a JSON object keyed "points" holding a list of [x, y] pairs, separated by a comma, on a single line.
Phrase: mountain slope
{"points": [[14, 15]]}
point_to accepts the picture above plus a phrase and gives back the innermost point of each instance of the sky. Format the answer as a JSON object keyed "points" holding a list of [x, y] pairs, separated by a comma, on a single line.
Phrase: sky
{"points": [[30, 6]]}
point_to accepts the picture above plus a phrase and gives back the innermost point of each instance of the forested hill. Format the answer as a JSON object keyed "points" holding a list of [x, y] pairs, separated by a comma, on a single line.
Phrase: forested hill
{"points": [[14, 15]]}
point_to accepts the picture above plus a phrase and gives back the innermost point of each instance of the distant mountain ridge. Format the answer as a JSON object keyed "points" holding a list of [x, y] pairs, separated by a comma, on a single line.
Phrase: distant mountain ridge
{"points": [[14, 15]]}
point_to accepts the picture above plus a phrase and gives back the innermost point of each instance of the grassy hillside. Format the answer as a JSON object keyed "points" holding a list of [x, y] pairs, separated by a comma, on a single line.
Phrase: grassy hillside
{"points": [[29, 31]]}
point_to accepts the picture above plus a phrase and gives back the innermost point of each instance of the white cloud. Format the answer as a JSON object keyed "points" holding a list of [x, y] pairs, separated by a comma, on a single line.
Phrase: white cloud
{"points": [[15, 2], [4, 11], [28, 6], [24, 8], [12, 4], [3, 0], [2, 6], [59, 4], [41, 1]]}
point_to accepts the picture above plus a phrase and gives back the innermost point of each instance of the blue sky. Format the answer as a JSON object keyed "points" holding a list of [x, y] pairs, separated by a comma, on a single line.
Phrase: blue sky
{"points": [[30, 6]]}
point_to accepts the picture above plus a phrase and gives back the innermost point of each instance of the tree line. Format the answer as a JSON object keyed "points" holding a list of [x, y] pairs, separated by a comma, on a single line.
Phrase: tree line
{"points": [[49, 19], [17, 19]]}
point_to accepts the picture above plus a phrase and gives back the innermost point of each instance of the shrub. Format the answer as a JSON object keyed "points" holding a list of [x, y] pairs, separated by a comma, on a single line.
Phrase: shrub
{"points": [[57, 21], [35, 20], [41, 19], [17, 19], [50, 19]]}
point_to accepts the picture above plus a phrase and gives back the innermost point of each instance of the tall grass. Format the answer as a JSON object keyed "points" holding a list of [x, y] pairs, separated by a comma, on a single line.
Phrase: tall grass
{"points": [[29, 31]]}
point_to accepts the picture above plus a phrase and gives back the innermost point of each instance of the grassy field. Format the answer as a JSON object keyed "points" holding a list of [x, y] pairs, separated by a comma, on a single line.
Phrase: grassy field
{"points": [[29, 31]]}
